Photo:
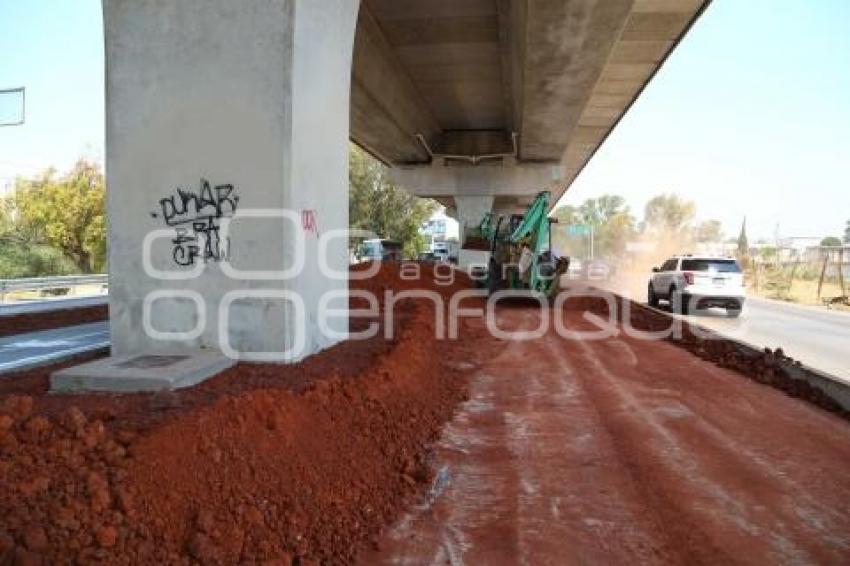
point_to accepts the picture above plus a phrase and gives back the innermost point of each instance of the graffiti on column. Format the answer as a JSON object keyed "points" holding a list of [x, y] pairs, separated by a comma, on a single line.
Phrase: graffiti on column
{"points": [[309, 223], [195, 217]]}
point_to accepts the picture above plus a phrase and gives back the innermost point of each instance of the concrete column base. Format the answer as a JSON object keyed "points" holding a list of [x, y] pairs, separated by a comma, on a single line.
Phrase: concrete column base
{"points": [[150, 372]]}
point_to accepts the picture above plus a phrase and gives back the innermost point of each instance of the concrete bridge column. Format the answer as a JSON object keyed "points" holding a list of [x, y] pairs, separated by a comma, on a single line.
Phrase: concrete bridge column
{"points": [[469, 211], [476, 189], [226, 161]]}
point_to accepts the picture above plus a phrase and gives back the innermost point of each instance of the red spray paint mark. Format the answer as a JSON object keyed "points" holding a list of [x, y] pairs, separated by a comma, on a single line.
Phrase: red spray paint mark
{"points": [[308, 222]]}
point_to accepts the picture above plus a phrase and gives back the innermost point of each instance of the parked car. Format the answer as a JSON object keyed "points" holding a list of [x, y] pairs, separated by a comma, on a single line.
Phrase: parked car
{"points": [[698, 282], [445, 250], [380, 249]]}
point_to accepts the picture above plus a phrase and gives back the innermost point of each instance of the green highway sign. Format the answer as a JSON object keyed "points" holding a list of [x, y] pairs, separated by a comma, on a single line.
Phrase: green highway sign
{"points": [[578, 229]]}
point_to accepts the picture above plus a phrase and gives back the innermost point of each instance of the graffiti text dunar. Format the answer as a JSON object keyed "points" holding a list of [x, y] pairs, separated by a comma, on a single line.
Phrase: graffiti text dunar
{"points": [[195, 216]]}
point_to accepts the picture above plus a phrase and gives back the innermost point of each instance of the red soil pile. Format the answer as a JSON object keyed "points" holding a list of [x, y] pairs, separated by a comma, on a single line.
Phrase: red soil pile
{"points": [[769, 367], [262, 463], [20, 323], [476, 243]]}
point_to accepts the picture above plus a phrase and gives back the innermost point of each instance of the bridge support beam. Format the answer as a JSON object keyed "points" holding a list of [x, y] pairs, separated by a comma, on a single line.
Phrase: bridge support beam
{"points": [[478, 189], [477, 180], [226, 160], [469, 211]]}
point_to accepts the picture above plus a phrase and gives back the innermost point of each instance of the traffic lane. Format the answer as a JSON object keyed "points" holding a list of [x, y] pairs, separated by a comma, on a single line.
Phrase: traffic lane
{"points": [[31, 349], [829, 316], [816, 338]]}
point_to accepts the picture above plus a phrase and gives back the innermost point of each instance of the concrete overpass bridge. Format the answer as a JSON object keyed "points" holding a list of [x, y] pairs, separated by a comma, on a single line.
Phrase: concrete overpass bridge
{"points": [[228, 127], [481, 103]]}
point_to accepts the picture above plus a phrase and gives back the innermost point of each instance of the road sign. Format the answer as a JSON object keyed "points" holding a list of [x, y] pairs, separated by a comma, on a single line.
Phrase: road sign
{"points": [[578, 229], [12, 103]]}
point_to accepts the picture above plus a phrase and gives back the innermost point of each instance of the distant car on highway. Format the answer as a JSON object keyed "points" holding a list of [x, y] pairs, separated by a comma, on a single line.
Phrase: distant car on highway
{"points": [[576, 269], [445, 250], [380, 249], [598, 270], [699, 282]]}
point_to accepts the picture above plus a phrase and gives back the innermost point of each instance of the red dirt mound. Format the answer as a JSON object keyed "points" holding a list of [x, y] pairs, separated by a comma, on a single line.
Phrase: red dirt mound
{"points": [[262, 463], [476, 243]]}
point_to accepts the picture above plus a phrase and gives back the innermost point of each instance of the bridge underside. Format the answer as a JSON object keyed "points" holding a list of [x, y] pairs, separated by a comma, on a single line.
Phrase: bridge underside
{"points": [[501, 84], [227, 128]]}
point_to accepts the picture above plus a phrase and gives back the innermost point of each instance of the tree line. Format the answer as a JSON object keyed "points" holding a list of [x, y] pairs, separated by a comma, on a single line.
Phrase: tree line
{"points": [[666, 216], [54, 224], [378, 205]]}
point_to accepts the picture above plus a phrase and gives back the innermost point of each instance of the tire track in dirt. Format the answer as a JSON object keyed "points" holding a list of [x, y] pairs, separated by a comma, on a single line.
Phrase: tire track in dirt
{"points": [[532, 480], [756, 459], [718, 494], [623, 450]]}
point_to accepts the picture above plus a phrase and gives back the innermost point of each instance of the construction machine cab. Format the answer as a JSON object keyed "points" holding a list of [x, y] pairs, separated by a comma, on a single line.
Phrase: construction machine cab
{"points": [[521, 255]]}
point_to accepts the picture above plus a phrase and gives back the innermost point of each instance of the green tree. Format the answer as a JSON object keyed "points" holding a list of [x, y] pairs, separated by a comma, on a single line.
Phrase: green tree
{"points": [[20, 259], [831, 241], [378, 205], [612, 236], [743, 245], [847, 233], [67, 213], [21, 256], [568, 214], [668, 213], [562, 242], [613, 226], [7, 222], [709, 231], [768, 252], [598, 211]]}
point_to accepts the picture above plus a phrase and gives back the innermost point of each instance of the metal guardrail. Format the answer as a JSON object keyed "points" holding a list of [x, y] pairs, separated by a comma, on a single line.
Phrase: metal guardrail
{"points": [[57, 282]]}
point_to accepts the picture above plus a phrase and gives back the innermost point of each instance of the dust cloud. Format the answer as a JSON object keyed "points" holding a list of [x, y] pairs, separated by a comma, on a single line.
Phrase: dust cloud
{"points": [[633, 268]]}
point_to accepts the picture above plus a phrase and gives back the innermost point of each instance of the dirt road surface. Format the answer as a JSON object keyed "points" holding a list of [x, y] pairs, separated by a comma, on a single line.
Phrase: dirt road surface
{"points": [[623, 451]]}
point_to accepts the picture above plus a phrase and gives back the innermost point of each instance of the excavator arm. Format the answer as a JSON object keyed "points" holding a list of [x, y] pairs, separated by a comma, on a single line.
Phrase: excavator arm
{"points": [[536, 217], [535, 224]]}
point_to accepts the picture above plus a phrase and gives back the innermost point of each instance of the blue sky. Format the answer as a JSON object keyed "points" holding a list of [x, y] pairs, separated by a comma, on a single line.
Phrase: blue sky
{"points": [[750, 115], [55, 49]]}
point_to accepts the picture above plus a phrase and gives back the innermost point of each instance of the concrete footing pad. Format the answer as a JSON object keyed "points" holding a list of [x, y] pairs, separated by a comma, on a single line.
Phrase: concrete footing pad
{"points": [[150, 372]]}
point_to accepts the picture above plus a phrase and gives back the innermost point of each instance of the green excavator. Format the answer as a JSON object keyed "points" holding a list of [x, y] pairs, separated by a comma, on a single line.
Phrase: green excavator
{"points": [[521, 253]]}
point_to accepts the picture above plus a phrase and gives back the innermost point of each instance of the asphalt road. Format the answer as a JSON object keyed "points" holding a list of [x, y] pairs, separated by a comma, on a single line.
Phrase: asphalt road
{"points": [[31, 349], [817, 337]]}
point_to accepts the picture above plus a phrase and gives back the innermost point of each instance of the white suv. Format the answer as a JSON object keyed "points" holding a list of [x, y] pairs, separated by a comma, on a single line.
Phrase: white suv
{"points": [[691, 282]]}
